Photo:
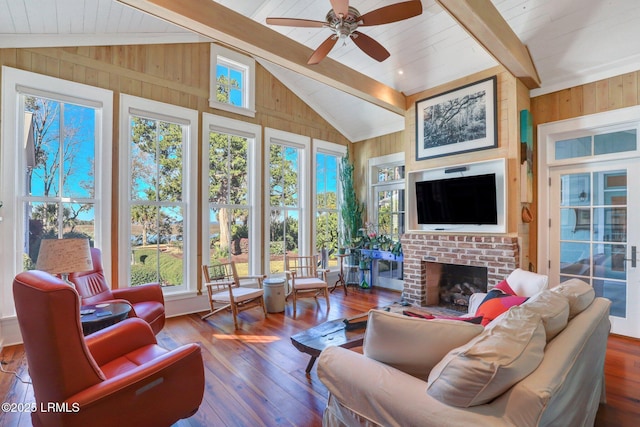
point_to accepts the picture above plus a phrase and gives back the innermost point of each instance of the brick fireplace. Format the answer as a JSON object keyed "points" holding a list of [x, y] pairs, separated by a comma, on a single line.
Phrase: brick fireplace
{"points": [[499, 254]]}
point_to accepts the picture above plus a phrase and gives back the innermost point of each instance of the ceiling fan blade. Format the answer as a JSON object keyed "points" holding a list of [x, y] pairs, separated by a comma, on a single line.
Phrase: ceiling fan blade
{"points": [[322, 50], [294, 22], [392, 13], [370, 46], [340, 7]]}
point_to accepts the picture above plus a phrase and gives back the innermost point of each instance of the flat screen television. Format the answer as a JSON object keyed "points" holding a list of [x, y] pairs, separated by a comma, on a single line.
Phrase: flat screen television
{"points": [[461, 200]]}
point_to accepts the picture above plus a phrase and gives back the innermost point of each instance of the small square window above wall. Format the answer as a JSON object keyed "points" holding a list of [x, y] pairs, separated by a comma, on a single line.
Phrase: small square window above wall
{"points": [[232, 81]]}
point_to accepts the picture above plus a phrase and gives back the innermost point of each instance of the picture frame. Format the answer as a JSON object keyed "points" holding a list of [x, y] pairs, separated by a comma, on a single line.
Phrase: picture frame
{"points": [[457, 121]]}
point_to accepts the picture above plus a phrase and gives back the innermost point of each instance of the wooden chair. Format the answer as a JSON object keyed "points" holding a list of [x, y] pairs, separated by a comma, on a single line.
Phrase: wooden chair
{"points": [[225, 290], [303, 276]]}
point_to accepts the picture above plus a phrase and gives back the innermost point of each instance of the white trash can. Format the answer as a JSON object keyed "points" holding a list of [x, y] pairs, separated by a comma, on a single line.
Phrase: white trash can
{"points": [[274, 295]]}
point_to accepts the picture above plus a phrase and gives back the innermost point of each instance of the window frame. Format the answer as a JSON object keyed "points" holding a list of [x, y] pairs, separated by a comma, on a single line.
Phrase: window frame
{"points": [[129, 105], [220, 54], [16, 83], [215, 123]]}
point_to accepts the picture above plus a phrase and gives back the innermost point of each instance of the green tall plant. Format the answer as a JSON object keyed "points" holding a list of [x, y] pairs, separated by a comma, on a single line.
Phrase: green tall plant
{"points": [[351, 209]]}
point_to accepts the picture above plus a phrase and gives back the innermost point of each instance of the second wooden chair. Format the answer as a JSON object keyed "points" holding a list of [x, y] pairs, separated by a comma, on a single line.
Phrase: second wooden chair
{"points": [[224, 290], [304, 276]]}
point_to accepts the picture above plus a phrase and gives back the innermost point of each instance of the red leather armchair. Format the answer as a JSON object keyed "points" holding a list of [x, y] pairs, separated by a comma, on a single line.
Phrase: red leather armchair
{"points": [[118, 376], [147, 300]]}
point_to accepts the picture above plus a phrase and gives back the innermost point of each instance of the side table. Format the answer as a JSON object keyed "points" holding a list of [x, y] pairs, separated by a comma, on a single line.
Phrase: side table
{"points": [[99, 316], [341, 278]]}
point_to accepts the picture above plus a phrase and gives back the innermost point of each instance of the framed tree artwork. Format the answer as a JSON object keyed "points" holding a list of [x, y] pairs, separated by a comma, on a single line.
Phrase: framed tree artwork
{"points": [[457, 121]]}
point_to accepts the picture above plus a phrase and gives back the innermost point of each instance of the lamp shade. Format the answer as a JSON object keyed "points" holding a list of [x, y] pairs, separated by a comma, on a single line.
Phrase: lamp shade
{"points": [[60, 256]]}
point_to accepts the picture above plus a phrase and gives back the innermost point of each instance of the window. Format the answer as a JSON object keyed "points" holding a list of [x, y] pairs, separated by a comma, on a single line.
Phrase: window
{"points": [[288, 191], [157, 219], [231, 183], [55, 158], [232, 81], [327, 158]]}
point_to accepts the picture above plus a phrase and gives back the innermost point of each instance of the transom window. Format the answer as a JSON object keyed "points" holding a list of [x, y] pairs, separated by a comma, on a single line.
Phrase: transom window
{"points": [[596, 145], [232, 81]]}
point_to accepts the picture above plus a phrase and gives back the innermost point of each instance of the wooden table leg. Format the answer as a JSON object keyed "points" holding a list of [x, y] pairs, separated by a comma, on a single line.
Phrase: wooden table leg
{"points": [[310, 364]]}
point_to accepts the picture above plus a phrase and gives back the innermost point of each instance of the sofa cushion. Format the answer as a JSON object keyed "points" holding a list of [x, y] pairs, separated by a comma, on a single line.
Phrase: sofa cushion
{"points": [[553, 308], [471, 319], [495, 303], [507, 351], [413, 345], [579, 294]]}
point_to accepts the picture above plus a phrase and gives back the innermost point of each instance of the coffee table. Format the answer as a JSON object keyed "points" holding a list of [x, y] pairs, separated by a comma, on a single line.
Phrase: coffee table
{"points": [[332, 333]]}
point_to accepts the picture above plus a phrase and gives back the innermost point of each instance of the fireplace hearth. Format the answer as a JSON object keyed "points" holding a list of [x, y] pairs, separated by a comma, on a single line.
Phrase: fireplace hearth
{"points": [[498, 254]]}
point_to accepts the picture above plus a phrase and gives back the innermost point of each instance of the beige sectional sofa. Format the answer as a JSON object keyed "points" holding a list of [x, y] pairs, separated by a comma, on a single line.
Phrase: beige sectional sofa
{"points": [[538, 364]]}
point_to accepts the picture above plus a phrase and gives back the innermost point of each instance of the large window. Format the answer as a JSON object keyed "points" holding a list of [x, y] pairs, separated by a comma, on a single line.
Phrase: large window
{"points": [[231, 192], [55, 152], [232, 78], [288, 191], [158, 194], [327, 158]]}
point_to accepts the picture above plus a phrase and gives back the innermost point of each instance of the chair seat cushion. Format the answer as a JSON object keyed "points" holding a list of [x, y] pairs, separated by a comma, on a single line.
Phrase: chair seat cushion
{"points": [[309, 283], [132, 360], [239, 294]]}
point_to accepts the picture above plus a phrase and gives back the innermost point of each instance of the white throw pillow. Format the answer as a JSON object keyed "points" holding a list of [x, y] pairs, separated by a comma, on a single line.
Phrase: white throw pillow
{"points": [[553, 308], [579, 293], [508, 350], [526, 283], [413, 345]]}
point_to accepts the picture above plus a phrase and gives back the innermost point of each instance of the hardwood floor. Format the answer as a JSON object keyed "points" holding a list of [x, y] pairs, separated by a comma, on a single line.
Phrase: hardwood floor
{"points": [[255, 377]]}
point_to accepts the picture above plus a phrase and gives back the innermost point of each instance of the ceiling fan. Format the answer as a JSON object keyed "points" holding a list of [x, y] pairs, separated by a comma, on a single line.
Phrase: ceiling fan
{"points": [[344, 21]]}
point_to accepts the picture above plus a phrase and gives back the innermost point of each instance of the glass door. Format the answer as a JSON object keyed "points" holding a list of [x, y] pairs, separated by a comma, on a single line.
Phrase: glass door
{"points": [[592, 238]]}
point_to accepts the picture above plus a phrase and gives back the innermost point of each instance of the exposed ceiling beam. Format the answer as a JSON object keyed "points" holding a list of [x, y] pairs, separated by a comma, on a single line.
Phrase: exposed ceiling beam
{"points": [[224, 25], [484, 23]]}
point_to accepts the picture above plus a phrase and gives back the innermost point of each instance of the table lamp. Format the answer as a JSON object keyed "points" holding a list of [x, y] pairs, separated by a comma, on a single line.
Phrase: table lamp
{"points": [[64, 256]]}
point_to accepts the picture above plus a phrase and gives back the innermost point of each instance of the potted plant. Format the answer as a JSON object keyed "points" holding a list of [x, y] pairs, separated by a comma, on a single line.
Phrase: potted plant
{"points": [[351, 210]]}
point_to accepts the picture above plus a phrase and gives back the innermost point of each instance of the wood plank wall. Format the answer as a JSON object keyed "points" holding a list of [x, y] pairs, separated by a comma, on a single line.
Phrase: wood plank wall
{"points": [[512, 96], [172, 73], [596, 97]]}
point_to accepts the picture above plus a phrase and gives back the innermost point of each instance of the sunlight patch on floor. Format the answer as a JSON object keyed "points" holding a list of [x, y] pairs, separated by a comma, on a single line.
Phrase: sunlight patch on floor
{"points": [[254, 339]]}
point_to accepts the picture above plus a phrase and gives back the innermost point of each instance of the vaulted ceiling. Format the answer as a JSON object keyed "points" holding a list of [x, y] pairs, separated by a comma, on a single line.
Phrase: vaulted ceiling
{"points": [[551, 44]]}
